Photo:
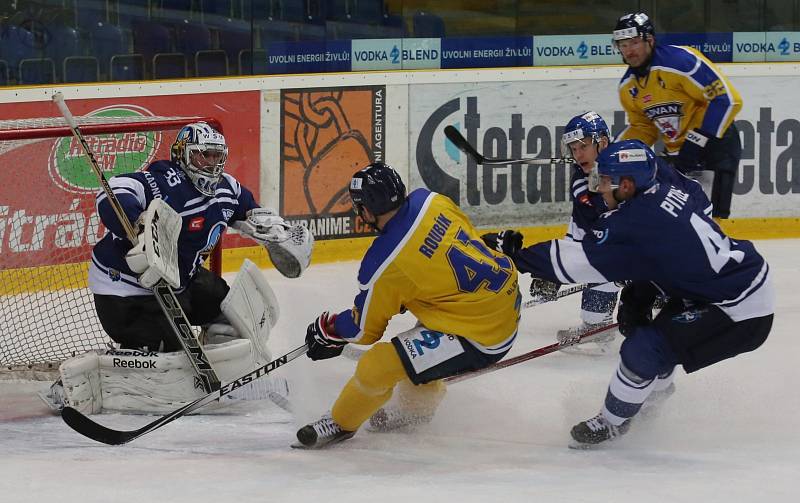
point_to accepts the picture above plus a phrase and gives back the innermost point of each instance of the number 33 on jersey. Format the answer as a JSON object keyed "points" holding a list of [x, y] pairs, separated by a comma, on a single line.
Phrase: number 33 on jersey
{"points": [[431, 260]]}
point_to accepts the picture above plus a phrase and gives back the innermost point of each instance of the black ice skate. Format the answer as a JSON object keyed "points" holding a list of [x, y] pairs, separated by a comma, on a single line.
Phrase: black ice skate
{"points": [[596, 430], [390, 419], [321, 433]]}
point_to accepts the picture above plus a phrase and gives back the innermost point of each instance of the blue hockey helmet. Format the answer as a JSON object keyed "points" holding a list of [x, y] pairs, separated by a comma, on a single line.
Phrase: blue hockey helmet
{"points": [[378, 188], [587, 125], [630, 158], [633, 25]]}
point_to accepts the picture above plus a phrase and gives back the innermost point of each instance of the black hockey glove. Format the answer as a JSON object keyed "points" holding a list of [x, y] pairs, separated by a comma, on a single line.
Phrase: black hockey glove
{"points": [[636, 306], [691, 156], [544, 291], [322, 342], [508, 242]]}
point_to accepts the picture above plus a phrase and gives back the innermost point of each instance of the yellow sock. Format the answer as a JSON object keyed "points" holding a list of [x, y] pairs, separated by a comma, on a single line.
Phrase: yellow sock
{"points": [[378, 370]]}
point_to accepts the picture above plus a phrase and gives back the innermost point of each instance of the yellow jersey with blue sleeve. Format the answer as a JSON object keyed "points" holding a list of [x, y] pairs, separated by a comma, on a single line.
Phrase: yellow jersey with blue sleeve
{"points": [[682, 91], [430, 259]]}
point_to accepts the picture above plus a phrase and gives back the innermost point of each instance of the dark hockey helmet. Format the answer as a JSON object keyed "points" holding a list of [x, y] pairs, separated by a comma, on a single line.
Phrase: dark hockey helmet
{"points": [[632, 26], [630, 158], [588, 125], [378, 188]]}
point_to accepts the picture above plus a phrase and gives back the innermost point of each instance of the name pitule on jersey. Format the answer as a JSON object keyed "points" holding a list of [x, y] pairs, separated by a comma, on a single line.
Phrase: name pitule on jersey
{"points": [[674, 200], [435, 236]]}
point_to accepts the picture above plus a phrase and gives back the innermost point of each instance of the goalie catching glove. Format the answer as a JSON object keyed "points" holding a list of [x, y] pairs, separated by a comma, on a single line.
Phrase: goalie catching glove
{"points": [[289, 247], [322, 341]]}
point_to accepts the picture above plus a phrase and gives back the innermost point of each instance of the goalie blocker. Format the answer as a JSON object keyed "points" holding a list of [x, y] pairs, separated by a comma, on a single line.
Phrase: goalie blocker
{"points": [[134, 381]]}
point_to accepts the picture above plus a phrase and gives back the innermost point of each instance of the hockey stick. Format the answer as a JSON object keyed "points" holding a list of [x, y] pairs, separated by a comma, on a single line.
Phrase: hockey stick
{"points": [[96, 431], [530, 355], [461, 143], [352, 353], [163, 292]]}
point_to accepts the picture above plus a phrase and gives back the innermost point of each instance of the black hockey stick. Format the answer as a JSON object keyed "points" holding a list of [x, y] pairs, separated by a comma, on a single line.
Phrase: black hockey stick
{"points": [[96, 431], [352, 353], [530, 355], [461, 143], [163, 292]]}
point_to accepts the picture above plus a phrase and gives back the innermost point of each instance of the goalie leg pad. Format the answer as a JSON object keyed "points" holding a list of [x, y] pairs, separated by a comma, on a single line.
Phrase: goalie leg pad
{"points": [[131, 381], [252, 308]]}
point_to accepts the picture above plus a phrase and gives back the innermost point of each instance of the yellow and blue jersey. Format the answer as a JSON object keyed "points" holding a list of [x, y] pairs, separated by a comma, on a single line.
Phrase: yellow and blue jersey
{"points": [[430, 259], [682, 91]]}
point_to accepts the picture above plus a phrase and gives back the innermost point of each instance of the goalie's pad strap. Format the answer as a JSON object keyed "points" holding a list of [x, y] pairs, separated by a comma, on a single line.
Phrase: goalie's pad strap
{"points": [[252, 308], [147, 382]]}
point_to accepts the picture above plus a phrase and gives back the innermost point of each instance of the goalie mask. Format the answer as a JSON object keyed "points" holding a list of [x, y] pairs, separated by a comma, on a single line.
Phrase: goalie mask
{"points": [[201, 152]]}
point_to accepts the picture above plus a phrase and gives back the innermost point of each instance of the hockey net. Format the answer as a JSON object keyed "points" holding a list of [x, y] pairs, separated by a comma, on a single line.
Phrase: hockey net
{"points": [[48, 225]]}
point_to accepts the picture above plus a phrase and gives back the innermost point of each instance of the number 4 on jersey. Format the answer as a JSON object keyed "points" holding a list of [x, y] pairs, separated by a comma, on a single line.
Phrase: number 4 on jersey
{"points": [[717, 247]]}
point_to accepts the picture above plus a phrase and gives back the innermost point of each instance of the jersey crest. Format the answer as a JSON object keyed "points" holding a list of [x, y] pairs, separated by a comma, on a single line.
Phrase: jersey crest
{"points": [[666, 117]]}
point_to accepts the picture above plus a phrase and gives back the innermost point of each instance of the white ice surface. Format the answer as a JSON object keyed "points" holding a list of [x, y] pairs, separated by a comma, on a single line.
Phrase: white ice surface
{"points": [[730, 434]]}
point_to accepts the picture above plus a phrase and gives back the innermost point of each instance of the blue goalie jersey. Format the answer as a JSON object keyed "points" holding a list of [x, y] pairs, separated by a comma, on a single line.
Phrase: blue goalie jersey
{"points": [[663, 235], [204, 220]]}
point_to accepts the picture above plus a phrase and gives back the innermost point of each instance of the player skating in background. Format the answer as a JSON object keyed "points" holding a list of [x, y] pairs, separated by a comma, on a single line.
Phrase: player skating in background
{"points": [[585, 136], [207, 200], [676, 94], [428, 259], [661, 240]]}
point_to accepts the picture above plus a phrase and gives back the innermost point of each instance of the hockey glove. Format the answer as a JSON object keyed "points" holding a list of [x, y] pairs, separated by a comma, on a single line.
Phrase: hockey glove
{"points": [[691, 155], [544, 291], [636, 306], [508, 242], [323, 343], [263, 225]]}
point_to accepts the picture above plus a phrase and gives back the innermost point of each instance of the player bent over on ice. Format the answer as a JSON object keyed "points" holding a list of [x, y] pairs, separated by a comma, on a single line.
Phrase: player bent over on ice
{"points": [[428, 258], [147, 371], [662, 240]]}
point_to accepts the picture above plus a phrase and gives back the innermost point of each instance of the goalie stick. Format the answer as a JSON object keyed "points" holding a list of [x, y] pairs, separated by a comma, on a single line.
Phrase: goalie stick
{"points": [[96, 431], [163, 292], [461, 143], [530, 355]]}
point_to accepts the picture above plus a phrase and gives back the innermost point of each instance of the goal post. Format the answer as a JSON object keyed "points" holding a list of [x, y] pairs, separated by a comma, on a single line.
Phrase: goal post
{"points": [[49, 224]]}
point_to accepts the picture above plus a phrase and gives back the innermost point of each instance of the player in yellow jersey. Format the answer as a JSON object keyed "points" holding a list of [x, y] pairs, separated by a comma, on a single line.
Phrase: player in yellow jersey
{"points": [[676, 94], [429, 259]]}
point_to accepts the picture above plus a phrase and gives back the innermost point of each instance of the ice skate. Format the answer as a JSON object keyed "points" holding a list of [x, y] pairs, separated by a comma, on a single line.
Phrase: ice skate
{"points": [[321, 433], [54, 397], [390, 419], [594, 431], [595, 346]]}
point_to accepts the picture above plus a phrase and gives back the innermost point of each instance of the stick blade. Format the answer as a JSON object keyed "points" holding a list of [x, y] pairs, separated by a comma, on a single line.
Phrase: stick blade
{"points": [[461, 143], [96, 431]]}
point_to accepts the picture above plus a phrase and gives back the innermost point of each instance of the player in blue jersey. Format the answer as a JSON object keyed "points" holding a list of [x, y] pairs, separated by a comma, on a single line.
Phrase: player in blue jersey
{"points": [[427, 259], [585, 136], [676, 94], [208, 200], [193, 192], [661, 240]]}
